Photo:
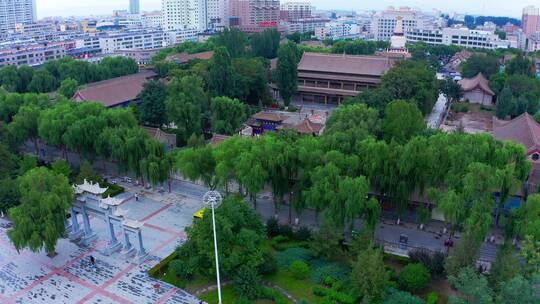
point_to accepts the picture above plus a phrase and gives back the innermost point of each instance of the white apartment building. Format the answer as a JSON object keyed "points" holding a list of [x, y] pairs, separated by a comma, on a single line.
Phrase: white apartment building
{"points": [[295, 10], [184, 14], [305, 25], [339, 30], [13, 12], [384, 23], [152, 20], [138, 40], [458, 36], [180, 36], [218, 13], [32, 55]]}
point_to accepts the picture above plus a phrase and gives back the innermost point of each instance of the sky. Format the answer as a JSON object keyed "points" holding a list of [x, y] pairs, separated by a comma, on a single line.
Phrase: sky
{"points": [[510, 8]]}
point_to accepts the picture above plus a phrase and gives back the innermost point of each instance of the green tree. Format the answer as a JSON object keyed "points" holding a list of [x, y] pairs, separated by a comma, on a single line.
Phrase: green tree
{"points": [[247, 283], [464, 254], [325, 242], [25, 73], [414, 277], [9, 194], [480, 63], [505, 268], [197, 164], [38, 222], [299, 270], [10, 79], [68, 87], [357, 119], [497, 81], [530, 251], [518, 290], [61, 167], [42, 82], [234, 40], [520, 65], [369, 276], [504, 103], [402, 120], [473, 286], [451, 89], [266, 43], [86, 172], [227, 115], [25, 125], [287, 71], [152, 106], [185, 104], [220, 73]]}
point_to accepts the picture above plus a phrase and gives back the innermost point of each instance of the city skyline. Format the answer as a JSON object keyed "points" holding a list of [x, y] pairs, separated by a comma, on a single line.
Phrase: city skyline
{"points": [[48, 8]]}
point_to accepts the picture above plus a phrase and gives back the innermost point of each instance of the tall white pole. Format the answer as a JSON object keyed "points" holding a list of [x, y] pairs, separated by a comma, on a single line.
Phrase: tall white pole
{"points": [[216, 253]]}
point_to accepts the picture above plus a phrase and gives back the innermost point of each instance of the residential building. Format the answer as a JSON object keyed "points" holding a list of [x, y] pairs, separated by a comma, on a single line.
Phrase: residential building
{"points": [[152, 19], [458, 36], [32, 54], [179, 36], [184, 14], [384, 23], [530, 20], [255, 13], [13, 12], [295, 10], [533, 43], [132, 40], [477, 90], [115, 92], [305, 25], [218, 12], [134, 7], [342, 29], [329, 78]]}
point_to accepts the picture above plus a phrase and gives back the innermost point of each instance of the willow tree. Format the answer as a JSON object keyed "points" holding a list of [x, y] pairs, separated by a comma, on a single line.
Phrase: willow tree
{"points": [[38, 222]]}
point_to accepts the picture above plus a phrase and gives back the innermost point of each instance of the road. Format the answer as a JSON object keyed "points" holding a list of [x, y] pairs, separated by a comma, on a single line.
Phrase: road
{"points": [[435, 117]]}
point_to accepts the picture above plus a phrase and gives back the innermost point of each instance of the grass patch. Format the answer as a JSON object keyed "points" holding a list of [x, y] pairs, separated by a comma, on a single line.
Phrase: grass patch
{"points": [[228, 296], [194, 284], [300, 289]]}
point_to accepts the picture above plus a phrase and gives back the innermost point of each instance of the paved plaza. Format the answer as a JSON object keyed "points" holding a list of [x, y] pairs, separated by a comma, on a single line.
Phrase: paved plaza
{"points": [[69, 277]]}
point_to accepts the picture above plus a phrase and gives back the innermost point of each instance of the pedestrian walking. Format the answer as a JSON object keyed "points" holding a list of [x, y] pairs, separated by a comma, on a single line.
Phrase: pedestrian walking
{"points": [[157, 287], [92, 262]]}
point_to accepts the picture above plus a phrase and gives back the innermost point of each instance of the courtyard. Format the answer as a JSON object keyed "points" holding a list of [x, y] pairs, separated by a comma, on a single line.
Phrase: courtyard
{"points": [[69, 277]]}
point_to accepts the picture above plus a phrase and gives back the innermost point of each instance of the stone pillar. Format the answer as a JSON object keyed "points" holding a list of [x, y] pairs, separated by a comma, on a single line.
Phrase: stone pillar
{"points": [[114, 245], [76, 231], [142, 252], [127, 243], [89, 235]]}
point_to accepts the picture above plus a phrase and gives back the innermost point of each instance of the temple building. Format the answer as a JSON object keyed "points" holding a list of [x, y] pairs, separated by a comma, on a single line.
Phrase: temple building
{"points": [[476, 90], [329, 78]]}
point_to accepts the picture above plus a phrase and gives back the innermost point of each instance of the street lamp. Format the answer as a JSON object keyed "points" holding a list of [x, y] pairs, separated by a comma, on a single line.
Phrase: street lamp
{"points": [[213, 199]]}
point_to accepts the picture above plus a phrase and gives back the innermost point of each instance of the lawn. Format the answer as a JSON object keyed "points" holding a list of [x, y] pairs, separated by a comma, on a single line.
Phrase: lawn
{"points": [[227, 296], [299, 289]]}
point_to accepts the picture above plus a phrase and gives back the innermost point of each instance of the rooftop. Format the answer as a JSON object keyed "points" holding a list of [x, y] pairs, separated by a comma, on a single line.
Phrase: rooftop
{"points": [[345, 64], [522, 129], [115, 91], [477, 82]]}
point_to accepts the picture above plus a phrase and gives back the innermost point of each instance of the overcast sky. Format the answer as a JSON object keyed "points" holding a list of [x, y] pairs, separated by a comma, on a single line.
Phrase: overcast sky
{"points": [[484, 7]]}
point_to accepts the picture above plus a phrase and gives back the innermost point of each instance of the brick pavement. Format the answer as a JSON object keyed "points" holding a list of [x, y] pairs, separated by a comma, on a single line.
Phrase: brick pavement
{"points": [[28, 277]]}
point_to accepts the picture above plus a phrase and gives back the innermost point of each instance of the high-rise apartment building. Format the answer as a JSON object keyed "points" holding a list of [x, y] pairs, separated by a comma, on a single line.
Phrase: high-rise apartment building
{"points": [[295, 10], [255, 12], [384, 23], [13, 12], [218, 12], [530, 20], [134, 7], [184, 14]]}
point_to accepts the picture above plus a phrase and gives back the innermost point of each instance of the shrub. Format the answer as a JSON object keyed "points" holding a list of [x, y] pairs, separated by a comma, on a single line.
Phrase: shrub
{"points": [[247, 282], [269, 265], [433, 261], [286, 230], [113, 190], [460, 108], [272, 227], [394, 296], [285, 258], [303, 234], [279, 240], [299, 270], [321, 271], [320, 291], [432, 298], [414, 277], [274, 295], [181, 269]]}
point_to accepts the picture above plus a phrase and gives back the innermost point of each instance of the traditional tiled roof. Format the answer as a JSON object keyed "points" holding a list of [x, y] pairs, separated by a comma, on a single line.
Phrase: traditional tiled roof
{"points": [[522, 129], [218, 138], [309, 127], [185, 57], [115, 91], [344, 64], [269, 116], [478, 82], [161, 136]]}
